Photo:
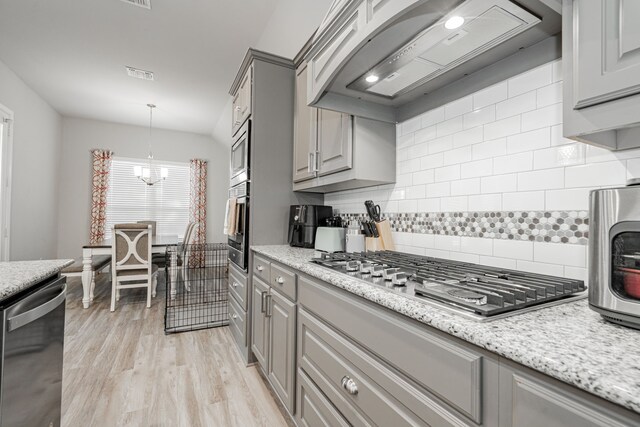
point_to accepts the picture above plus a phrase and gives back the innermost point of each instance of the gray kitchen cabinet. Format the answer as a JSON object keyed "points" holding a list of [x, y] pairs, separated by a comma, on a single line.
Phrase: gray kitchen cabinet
{"points": [[241, 103], [335, 142], [260, 322], [313, 409], [530, 399], [305, 128], [353, 152], [282, 351], [601, 67], [273, 320], [238, 306]]}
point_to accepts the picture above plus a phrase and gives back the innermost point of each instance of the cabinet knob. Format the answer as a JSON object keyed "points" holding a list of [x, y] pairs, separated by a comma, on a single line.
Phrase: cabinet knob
{"points": [[234, 316], [349, 385], [259, 268], [235, 284], [279, 280]]}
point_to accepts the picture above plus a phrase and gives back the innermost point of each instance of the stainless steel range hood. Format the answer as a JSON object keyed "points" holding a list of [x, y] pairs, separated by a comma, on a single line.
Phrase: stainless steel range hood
{"points": [[401, 64]]}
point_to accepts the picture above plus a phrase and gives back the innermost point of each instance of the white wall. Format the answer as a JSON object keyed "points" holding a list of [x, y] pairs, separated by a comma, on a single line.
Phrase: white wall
{"points": [[81, 135], [37, 141], [500, 149]]}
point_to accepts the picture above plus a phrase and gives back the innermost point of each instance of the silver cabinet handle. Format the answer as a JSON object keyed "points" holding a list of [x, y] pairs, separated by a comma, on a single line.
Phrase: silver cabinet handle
{"points": [[349, 385], [269, 306], [259, 268], [316, 156], [309, 162], [236, 110], [234, 316], [235, 284], [279, 280], [263, 300]]}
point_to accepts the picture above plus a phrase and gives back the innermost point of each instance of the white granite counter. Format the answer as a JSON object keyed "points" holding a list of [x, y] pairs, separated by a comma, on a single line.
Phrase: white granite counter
{"points": [[568, 341], [16, 276]]}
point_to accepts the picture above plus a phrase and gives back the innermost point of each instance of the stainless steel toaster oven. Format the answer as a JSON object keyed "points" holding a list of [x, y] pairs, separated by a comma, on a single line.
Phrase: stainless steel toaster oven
{"points": [[614, 253]]}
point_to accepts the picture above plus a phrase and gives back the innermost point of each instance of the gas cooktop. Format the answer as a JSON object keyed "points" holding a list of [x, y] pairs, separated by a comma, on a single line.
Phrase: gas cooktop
{"points": [[476, 291]]}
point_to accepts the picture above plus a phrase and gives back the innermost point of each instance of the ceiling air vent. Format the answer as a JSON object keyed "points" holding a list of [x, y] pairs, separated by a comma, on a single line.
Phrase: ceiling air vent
{"points": [[140, 3], [139, 74]]}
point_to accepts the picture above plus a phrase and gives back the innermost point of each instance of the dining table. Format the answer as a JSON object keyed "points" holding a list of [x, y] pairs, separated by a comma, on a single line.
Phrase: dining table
{"points": [[159, 245]]}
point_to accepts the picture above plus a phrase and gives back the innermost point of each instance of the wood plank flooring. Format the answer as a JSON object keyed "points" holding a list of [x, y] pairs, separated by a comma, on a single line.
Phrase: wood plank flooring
{"points": [[120, 369]]}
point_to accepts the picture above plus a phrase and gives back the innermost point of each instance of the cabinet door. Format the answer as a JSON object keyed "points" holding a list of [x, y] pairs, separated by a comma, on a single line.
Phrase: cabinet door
{"points": [[607, 50], [304, 136], [242, 101], [335, 142], [260, 322], [533, 401], [282, 330]]}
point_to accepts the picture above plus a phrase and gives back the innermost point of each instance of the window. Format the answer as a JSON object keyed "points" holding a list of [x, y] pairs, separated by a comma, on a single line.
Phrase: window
{"points": [[166, 202]]}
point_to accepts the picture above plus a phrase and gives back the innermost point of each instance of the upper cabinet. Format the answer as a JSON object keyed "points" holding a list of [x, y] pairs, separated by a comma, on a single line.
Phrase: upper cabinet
{"points": [[336, 151], [392, 60], [601, 67], [242, 101]]}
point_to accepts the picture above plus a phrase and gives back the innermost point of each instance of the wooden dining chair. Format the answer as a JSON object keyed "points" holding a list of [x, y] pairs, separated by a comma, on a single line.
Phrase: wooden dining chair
{"points": [[131, 261]]}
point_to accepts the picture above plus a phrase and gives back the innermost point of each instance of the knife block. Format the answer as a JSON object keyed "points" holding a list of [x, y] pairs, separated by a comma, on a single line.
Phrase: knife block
{"points": [[384, 231], [373, 244]]}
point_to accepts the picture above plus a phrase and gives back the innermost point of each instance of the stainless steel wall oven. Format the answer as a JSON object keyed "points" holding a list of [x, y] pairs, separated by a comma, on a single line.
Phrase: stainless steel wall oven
{"points": [[239, 241]]}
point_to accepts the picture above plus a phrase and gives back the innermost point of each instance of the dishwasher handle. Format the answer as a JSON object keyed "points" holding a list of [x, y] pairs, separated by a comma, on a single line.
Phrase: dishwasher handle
{"points": [[47, 307]]}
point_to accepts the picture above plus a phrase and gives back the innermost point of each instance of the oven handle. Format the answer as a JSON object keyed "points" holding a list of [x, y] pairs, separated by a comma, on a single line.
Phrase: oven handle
{"points": [[36, 313]]}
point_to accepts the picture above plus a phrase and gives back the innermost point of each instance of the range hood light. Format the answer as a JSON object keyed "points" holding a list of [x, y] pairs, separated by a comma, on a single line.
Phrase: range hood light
{"points": [[372, 78], [454, 22]]}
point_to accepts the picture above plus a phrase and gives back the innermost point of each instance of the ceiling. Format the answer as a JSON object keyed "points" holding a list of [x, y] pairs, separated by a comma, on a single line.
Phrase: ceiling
{"points": [[73, 54]]}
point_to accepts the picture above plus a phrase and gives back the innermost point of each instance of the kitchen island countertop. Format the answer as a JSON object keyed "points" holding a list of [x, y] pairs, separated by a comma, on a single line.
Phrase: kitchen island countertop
{"points": [[568, 341], [16, 276]]}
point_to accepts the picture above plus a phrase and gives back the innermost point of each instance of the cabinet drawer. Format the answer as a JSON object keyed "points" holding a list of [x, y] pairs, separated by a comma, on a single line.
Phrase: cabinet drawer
{"points": [[313, 409], [450, 371], [284, 281], [262, 268], [238, 287], [238, 323], [378, 395]]}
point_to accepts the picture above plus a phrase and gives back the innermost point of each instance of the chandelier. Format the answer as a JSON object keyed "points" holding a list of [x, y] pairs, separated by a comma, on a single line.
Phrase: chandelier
{"points": [[149, 175]]}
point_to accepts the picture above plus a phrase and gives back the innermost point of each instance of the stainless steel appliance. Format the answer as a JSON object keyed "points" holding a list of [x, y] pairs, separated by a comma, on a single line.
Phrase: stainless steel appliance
{"points": [[614, 253], [239, 242], [479, 292], [32, 351], [240, 171], [304, 221]]}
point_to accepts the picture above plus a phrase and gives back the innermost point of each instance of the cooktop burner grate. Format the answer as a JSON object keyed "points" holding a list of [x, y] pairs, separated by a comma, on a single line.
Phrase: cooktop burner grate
{"points": [[482, 290]]}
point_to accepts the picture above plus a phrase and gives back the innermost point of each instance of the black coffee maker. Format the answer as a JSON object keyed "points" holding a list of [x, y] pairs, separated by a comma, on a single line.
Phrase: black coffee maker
{"points": [[303, 222]]}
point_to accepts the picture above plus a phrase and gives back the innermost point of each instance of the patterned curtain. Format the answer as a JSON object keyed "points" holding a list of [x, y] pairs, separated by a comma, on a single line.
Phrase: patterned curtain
{"points": [[101, 160], [198, 211]]}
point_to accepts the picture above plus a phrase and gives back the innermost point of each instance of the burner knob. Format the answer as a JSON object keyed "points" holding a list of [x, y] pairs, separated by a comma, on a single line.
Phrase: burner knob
{"points": [[399, 279], [353, 265], [366, 268], [377, 271], [389, 272]]}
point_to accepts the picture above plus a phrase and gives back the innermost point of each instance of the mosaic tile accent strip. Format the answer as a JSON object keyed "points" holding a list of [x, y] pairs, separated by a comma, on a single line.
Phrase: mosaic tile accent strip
{"points": [[538, 226]]}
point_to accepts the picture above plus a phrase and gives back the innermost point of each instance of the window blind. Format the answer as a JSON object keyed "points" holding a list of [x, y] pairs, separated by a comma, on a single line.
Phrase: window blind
{"points": [[131, 200]]}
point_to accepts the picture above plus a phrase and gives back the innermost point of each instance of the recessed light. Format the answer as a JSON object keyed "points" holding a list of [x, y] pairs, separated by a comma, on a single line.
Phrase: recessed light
{"points": [[372, 78], [454, 22]]}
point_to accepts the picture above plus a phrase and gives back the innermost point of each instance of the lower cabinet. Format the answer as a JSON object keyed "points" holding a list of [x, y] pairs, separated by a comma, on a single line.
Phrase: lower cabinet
{"points": [[260, 322], [335, 359], [282, 350], [238, 316], [273, 320], [531, 400]]}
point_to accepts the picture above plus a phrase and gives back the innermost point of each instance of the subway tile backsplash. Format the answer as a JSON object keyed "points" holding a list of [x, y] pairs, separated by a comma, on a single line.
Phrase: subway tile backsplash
{"points": [[499, 151]]}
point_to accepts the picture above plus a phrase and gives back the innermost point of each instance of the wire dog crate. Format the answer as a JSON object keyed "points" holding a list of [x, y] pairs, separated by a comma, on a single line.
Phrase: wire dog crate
{"points": [[197, 287]]}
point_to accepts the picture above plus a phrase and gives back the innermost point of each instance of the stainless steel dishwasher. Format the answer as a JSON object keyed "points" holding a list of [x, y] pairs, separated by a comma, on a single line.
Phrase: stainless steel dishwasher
{"points": [[32, 351]]}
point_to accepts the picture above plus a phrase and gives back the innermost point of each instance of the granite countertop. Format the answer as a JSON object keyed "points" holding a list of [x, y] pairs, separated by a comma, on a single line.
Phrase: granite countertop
{"points": [[568, 341], [16, 276]]}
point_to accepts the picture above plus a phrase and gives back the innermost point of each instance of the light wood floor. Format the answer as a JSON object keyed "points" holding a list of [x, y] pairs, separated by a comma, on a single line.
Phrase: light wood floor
{"points": [[120, 369]]}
